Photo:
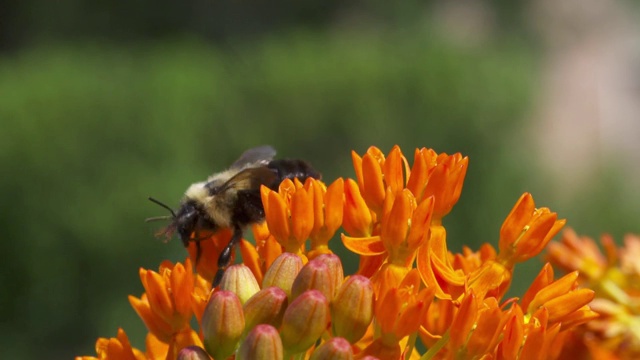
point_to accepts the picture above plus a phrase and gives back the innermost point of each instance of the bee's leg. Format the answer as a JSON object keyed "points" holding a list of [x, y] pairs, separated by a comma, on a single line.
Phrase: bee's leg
{"points": [[225, 255]]}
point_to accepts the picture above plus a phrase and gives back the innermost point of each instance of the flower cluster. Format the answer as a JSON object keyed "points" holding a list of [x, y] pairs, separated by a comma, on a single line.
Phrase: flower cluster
{"points": [[290, 298], [615, 277]]}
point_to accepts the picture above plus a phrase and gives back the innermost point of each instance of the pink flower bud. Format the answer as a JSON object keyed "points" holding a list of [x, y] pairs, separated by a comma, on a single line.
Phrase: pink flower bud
{"points": [[304, 321], [265, 307], [193, 353], [352, 308], [313, 276], [336, 273], [283, 272], [262, 343], [336, 348], [222, 324]]}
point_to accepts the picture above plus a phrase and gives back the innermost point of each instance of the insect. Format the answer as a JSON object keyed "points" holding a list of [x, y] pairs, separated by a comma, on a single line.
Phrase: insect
{"points": [[231, 199]]}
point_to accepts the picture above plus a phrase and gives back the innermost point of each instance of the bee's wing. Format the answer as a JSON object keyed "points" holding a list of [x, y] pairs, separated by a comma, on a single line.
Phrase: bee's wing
{"points": [[261, 155], [248, 179]]}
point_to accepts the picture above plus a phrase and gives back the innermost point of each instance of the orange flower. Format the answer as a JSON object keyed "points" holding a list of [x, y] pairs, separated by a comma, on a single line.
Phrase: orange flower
{"points": [[560, 299], [476, 328], [526, 231], [328, 208], [489, 324], [399, 310], [358, 219], [165, 308], [117, 348], [445, 181], [435, 266], [540, 337], [289, 213], [157, 349], [614, 276], [432, 174], [436, 321], [404, 227], [375, 174]]}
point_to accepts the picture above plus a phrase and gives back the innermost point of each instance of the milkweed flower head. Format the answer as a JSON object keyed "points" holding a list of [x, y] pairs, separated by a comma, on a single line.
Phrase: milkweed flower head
{"points": [[614, 274], [410, 298]]}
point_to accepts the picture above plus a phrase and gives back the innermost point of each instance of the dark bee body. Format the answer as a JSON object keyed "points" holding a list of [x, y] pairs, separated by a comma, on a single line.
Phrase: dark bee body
{"points": [[231, 199]]}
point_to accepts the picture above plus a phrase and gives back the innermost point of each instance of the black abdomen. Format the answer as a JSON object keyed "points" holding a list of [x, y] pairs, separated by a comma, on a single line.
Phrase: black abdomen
{"points": [[289, 169]]}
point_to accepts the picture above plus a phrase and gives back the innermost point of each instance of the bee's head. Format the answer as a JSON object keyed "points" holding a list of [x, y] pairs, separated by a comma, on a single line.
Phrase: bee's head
{"points": [[189, 218], [186, 220]]}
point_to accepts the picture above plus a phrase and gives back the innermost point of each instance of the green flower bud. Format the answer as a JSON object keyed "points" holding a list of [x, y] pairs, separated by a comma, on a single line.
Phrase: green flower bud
{"points": [[336, 273], [352, 308], [283, 272], [240, 280], [313, 276], [193, 353], [336, 348], [222, 324], [306, 318], [265, 307], [262, 343]]}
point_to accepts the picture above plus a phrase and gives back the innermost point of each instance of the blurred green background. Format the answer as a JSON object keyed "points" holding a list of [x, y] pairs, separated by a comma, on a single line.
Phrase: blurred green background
{"points": [[103, 104]]}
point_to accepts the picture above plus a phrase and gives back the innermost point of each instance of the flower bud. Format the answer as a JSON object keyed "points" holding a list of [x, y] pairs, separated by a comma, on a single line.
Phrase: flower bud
{"points": [[262, 343], [336, 348], [222, 324], [193, 353], [265, 307], [283, 272], [336, 273], [352, 308], [240, 280], [304, 321], [313, 276]]}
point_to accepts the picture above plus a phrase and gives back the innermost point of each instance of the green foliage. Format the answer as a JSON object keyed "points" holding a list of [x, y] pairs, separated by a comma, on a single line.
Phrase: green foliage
{"points": [[90, 131]]}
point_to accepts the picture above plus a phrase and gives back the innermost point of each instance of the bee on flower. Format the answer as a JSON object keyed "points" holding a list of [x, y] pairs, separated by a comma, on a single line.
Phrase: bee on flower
{"points": [[291, 299]]}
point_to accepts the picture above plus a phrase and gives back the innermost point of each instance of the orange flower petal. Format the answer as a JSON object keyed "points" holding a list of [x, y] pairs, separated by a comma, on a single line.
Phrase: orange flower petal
{"points": [[419, 175], [154, 323], [277, 217], [251, 259], [373, 186], [158, 296], [396, 225], [393, 170], [182, 282], [464, 321], [301, 215], [357, 216], [566, 304], [365, 245], [556, 289], [516, 221], [420, 221], [513, 333], [333, 205], [357, 166]]}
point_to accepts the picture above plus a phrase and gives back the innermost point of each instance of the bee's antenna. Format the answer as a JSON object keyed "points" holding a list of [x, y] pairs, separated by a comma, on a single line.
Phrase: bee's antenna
{"points": [[173, 214], [156, 218]]}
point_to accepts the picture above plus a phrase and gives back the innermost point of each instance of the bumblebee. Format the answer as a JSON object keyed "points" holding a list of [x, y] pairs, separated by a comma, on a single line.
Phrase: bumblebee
{"points": [[231, 199]]}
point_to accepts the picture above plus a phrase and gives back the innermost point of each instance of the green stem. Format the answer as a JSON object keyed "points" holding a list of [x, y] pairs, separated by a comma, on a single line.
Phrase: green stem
{"points": [[411, 343], [436, 348]]}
